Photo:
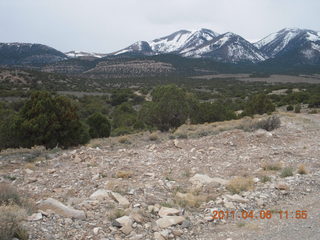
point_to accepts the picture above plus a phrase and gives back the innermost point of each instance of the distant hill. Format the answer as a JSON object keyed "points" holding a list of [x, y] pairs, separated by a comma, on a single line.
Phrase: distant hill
{"points": [[28, 54]]}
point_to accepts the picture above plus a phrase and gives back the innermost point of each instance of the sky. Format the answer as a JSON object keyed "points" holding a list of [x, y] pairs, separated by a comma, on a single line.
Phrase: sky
{"points": [[105, 26]]}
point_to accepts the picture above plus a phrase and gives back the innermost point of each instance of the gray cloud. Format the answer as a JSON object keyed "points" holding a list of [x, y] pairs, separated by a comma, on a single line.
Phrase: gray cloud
{"points": [[108, 25]]}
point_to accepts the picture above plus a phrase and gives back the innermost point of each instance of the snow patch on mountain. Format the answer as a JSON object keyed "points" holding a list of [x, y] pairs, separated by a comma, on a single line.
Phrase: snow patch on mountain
{"points": [[78, 54]]}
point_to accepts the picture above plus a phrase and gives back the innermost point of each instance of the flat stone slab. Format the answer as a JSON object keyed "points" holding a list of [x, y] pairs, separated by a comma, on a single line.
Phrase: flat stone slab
{"points": [[61, 209]]}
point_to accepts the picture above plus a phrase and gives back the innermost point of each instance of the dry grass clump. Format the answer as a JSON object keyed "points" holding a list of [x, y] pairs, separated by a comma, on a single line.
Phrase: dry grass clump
{"points": [[10, 223], [124, 174], [302, 169], [267, 124], [239, 184], [153, 136], [9, 195], [124, 140], [272, 166], [190, 200], [116, 213]]}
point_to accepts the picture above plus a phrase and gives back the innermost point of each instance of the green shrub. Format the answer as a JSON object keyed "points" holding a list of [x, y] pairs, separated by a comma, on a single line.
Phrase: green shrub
{"points": [[125, 116], [265, 179], [121, 131], [297, 108], [212, 112], [99, 126], [286, 172], [120, 96], [290, 108]]}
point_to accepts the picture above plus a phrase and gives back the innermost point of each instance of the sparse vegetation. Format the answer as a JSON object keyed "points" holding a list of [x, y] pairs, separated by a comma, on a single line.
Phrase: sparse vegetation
{"points": [[268, 124], [9, 195], [11, 218], [190, 200], [286, 172], [124, 140], [239, 184], [124, 174], [265, 179], [297, 108], [272, 166], [116, 213]]}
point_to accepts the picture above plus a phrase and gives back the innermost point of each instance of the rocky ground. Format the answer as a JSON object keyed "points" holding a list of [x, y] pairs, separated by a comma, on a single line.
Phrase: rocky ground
{"points": [[154, 187]]}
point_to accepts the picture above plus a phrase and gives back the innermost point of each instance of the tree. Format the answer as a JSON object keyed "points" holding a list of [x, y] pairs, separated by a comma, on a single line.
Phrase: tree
{"points": [[259, 104], [99, 125], [120, 96], [50, 120], [125, 120], [212, 112], [169, 108], [8, 133]]}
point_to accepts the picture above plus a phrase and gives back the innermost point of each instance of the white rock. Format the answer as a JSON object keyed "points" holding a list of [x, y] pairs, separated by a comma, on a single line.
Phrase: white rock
{"points": [[229, 205], [236, 198], [96, 230], [35, 217], [100, 194], [202, 179], [61, 209], [169, 221], [158, 236], [120, 199], [28, 171], [126, 223], [165, 211]]}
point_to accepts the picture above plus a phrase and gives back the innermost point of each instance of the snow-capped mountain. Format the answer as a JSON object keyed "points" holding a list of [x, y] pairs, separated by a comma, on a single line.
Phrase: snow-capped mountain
{"points": [[28, 54], [173, 43], [302, 45], [182, 40], [80, 54], [227, 47], [141, 47]]}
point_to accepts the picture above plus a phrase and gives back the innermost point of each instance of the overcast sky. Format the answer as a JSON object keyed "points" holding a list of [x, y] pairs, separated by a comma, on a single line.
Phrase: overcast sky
{"points": [[109, 25]]}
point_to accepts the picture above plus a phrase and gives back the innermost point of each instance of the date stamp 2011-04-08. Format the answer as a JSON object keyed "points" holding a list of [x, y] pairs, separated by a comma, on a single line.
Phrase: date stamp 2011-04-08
{"points": [[260, 214]]}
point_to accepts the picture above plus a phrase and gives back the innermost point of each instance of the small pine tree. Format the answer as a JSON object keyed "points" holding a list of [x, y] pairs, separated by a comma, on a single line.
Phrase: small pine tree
{"points": [[99, 125], [259, 104]]}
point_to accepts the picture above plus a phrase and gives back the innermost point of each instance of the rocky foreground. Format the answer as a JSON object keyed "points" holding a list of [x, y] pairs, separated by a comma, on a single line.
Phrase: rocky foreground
{"points": [[161, 188]]}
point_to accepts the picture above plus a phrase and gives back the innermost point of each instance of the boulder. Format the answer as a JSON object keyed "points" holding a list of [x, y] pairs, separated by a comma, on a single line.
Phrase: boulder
{"points": [[126, 224], [158, 236], [35, 217], [119, 199], [61, 209], [169, 221], [165, 211], [282, 186], [236, 198], [100, 194], [202, 179]]}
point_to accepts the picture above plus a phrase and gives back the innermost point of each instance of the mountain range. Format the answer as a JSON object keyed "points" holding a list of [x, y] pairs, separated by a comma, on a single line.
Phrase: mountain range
{"points": [[289, 46], [303, 44]]}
